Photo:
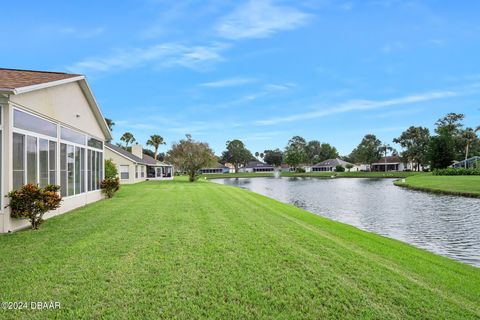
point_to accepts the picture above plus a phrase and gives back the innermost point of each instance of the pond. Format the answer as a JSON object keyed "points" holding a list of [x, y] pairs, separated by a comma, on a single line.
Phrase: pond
{"points": [[446, 225]]}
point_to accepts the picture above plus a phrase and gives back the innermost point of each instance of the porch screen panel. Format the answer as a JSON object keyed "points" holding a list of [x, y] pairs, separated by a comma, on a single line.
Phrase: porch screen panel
{"points": [[82, 169], [63, 169], [31, 160], [18, 160], [70, 169], [43, 162], [52, 162]]}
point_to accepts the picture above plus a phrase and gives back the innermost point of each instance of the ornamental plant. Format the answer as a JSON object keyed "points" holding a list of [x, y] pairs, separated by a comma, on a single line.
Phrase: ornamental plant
{"points": [[110, 169], [110, 186], [32, 202]]}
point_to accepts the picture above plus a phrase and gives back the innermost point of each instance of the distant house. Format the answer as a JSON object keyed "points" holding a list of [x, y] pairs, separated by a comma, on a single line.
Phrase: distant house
{"points": [[51, 132], [329, 165], [470, 163], [135, 166], [257, 166], [360, 168], [218, 168], [392, 163]]}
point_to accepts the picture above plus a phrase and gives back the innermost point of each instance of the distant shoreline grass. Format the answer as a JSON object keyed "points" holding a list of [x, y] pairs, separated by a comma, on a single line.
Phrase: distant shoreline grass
{"points": [[326, 175], [466, 186]]}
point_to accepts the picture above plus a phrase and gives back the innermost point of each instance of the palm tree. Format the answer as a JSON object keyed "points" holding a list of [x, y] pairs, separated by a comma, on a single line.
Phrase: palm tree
{"points": [[155, 141], [110, 123], [469, 136], [384, 149], [128, 138]]}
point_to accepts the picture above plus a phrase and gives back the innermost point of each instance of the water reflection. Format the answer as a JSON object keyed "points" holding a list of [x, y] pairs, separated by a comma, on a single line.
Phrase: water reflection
{"points": [[446, 225]]}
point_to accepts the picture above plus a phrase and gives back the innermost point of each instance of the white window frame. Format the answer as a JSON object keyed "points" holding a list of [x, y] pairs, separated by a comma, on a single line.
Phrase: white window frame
{"points": [[127, 172], [58, 142]]}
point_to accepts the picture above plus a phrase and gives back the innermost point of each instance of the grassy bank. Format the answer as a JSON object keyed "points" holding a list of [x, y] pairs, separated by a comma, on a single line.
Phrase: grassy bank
{"points": [[315, 174], [204, 250], [456, 185]]}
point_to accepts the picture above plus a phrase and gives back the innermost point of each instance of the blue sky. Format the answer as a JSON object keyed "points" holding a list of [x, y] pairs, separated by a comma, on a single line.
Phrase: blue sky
{"points": [[261, 71]]}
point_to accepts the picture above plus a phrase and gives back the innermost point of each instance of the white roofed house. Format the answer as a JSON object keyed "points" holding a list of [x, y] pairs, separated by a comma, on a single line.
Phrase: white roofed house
{"points": [[217, 168], [257, 166], [136, 166], [52, 132], [329, 165], [390, 163]]}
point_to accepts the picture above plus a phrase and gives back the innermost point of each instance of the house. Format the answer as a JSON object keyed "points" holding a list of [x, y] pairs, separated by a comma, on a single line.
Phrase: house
{"points": [[468, 163], [359, 168], [218, 168], [52, 132], [390, 163], [330, 165], [136, 166], [257, 166]]}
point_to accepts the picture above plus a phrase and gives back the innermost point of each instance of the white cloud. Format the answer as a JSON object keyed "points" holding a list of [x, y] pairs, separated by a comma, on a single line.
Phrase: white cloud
{"points": [[163, 55], [359, 105], [229, 82], [260, 19]]}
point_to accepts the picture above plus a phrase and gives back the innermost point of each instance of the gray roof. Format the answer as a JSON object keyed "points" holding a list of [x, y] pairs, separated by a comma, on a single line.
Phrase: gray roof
{"points": [[332, 163], [124, 153], [147, 160], [257, 164], [216, 166]]}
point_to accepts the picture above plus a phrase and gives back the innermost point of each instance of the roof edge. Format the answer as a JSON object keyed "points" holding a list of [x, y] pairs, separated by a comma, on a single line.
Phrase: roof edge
{"points": [[46, 85]]}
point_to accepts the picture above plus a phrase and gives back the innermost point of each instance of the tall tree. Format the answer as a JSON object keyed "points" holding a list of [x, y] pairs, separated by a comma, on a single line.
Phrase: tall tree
{"points": [[155, 141], [470, 137], [273, 157], [236, 153], [441, 151], [313, 149], [110, 123], [368, 151], [415, 142], [128, 138], [190, 156], [451, 125], [295, 151], [327, 151]]}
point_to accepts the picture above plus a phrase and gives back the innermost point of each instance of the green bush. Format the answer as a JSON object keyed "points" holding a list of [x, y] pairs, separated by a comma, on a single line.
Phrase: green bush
{"points": [[110, 169], [299, 170], [339, 168], [32, 202], [110, 186], [457, 172]]}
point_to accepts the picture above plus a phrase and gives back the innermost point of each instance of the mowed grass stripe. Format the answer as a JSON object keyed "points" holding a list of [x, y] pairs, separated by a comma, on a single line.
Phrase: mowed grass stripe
{"points": [[202, 250]]}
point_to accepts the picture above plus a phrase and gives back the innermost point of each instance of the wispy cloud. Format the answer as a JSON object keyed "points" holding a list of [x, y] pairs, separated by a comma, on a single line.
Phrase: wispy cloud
{"points": [[260, 19], [162, 55], [228, 82], [359, 105]]}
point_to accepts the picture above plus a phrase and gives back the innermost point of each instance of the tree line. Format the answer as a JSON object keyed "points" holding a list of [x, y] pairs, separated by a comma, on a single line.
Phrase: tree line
{"points": [[450, 141]]}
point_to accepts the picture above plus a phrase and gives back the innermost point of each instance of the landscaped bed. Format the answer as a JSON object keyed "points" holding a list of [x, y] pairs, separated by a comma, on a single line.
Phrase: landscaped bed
{"points": [[456, 185], [204, 250]]}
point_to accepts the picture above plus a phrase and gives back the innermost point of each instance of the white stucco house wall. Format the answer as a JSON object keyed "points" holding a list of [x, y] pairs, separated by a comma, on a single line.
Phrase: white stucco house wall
{"points": [[135, 166], [51, 132]]}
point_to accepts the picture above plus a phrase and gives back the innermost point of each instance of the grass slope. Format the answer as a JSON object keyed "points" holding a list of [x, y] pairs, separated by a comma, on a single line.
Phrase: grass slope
{"points": [[182, 250], [456, 185], [314, 174]]}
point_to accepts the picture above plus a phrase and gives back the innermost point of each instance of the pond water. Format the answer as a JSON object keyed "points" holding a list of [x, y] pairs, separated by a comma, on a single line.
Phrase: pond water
{"points": [[446, 225]]}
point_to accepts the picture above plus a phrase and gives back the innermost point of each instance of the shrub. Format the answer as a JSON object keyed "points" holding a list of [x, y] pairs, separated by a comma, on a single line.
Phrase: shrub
{"points": [[110, 186], [110, 169], [339, 168], [299, 170], [457, 172], [32, 202]]}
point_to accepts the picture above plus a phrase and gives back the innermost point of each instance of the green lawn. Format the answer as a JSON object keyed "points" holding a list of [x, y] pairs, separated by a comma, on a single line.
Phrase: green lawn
{"points": [[315, 174], [203, 250], [462, 185]]}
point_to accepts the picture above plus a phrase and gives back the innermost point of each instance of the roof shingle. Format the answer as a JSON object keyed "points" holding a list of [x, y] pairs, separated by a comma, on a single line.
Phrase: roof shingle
{"points": [[15, 78]]}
